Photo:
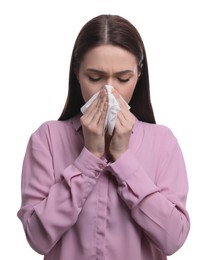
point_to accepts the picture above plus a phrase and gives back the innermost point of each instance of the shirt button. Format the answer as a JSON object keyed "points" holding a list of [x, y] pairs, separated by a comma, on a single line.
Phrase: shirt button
{"points": [[97, 173], [101, 166]]}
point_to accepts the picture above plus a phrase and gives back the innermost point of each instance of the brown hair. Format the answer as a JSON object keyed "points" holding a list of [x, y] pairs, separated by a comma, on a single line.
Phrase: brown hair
{"points": [[117, 31]]}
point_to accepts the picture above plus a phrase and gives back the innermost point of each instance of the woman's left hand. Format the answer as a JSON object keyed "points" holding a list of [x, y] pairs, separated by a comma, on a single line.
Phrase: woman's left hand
{"points": [[123, 129]]}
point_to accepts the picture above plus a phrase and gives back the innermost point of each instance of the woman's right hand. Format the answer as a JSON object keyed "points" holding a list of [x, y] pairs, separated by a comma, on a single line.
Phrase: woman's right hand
{"points": [[93, 122]]}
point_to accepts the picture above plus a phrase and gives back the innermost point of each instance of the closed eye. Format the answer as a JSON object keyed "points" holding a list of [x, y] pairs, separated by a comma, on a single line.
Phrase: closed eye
{"points": [[94, 79], [123, 80]]}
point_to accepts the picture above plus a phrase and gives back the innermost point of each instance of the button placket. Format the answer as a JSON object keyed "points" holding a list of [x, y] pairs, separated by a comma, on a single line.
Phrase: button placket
{"points": [[102, 190]]}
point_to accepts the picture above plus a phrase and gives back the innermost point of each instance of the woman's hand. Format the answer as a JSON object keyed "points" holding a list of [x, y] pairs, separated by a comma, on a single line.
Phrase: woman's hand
{"points": [[123, 129], [93, 122]]}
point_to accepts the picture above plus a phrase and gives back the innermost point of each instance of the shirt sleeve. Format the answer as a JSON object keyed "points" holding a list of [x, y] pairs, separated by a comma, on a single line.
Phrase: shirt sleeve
{"points": [[157, 206], [50, 208]]}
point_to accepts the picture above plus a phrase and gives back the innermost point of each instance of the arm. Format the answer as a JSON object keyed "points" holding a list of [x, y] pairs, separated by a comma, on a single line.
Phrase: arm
{"points": [[158, 207], [48, 208]]}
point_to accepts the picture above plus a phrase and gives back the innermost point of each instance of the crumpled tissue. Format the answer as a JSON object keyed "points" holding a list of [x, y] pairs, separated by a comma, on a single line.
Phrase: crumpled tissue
{"points": [[112, 110]]}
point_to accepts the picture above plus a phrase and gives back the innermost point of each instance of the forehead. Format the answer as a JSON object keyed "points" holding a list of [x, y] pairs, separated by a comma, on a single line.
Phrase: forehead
{"points": [[108, 56]]}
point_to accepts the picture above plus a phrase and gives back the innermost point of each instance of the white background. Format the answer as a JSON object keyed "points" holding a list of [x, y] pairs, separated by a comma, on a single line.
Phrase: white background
{"points": [[36, 40]]}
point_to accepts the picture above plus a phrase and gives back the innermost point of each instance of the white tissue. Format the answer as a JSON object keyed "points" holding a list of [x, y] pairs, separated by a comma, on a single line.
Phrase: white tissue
{"points": [[112, 110]]}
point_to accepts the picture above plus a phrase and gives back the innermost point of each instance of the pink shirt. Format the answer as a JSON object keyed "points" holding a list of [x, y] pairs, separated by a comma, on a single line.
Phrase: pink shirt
{"points": [[76, 206]]}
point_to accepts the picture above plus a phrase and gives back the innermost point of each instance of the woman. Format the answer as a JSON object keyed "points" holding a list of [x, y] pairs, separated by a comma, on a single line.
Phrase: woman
{"points": [[90, 195]]}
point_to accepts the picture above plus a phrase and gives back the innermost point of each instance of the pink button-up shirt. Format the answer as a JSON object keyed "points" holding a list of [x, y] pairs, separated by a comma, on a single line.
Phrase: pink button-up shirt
{"points": [[76, 206]]}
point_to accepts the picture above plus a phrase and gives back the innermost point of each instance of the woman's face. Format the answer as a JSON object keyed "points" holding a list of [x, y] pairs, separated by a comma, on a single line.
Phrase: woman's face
{"points": [[108, 65]]}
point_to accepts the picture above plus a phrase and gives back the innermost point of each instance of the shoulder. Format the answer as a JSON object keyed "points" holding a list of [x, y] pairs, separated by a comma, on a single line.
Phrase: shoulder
{"points": [[51, 126], [158, 139], [154, 129], [55, 129], [57, 125], [157, 133]]}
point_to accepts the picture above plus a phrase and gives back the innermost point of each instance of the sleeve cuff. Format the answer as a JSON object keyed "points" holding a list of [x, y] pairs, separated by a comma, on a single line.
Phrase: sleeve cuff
{"points": [[89, 164], [132, 178]]}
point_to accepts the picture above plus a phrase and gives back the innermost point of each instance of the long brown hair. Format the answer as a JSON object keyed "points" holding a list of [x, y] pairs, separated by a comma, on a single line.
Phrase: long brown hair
{"points": [[117, 31]]}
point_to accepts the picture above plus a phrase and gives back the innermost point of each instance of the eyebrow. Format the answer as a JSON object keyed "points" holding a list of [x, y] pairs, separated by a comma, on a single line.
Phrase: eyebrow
{"points": [[104, 73]]}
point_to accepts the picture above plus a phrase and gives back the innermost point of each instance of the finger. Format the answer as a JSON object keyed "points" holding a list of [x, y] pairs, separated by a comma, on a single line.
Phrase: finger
{"points": [[103, 115], [101, 109], [91, 110], [94, 114], [97, 112], [100, 98], [124, 124], [121, 120]]}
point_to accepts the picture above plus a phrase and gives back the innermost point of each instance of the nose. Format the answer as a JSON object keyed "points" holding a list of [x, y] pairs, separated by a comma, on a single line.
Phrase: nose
{"points": [[110, 82]]}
